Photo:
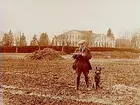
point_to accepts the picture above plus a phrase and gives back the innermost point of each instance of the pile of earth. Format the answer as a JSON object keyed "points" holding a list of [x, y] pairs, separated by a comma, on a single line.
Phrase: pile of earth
{"points": [[116, 54], [126, 55], [46, 53]]}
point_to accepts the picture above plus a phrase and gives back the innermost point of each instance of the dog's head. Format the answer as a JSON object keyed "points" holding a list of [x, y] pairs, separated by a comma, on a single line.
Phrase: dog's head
{"points": [[98, 70]]}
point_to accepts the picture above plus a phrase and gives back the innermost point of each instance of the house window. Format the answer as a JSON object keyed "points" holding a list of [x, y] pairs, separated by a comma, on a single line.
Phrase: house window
{"points": [[75, 43], [110, 44], [102, 44], [96, 44]]}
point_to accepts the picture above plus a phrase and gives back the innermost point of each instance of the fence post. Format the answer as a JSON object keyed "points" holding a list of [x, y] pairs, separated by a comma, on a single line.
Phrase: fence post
{"points": [[62, 48], [16, 49]]}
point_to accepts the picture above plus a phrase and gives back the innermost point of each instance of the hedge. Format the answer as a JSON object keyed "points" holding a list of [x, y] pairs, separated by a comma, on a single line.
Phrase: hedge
{"points": [[67, 49]]}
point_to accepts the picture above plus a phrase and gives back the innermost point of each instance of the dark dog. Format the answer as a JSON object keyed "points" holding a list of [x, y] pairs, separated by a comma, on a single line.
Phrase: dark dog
{"points": [[97, 77]]}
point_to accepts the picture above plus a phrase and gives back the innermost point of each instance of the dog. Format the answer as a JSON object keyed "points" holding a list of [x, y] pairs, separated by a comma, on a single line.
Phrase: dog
{"points": [[97, 77]]}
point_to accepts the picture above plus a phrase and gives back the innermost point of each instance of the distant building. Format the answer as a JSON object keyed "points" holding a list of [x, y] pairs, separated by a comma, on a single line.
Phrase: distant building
{"points": [[123, 43], [71, 38], [101, 40]]}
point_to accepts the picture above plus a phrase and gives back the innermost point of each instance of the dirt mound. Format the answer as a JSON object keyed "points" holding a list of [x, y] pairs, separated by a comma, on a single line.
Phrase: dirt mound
{"points": [[126, 55], [116, 54], [46, 53]]}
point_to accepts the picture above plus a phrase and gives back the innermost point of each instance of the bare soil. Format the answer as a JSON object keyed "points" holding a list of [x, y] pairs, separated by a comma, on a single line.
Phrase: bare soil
{"points": [[43, 82]]}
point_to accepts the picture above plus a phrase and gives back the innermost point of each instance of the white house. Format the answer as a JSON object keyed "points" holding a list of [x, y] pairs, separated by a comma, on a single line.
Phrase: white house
{"points": [[101, 40], [72, 37]]}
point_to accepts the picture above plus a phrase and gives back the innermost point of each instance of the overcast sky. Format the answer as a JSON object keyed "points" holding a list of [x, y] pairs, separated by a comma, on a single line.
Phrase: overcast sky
{"points": [[57, 16]]}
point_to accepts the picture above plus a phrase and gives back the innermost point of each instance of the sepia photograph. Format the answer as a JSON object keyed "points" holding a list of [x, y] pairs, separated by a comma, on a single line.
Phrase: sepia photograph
{"points": [[69, 52]]}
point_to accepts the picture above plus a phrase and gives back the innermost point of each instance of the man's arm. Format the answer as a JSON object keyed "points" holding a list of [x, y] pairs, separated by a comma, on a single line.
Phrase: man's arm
{"points": [[88, 54], [74, 54]]}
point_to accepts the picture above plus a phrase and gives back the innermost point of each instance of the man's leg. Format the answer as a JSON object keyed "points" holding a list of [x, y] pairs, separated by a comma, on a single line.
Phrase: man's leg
{"points": [[86, 77], [78, 78]]}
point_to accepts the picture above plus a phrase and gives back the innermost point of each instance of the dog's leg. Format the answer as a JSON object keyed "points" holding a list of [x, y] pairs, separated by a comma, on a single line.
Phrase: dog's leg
{"points": [[97, 84], [94, 85], [95, 80]]}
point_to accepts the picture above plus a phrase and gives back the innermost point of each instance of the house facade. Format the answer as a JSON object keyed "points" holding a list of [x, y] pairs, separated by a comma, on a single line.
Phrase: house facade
{"points": [[71, 38], [101, 40]]}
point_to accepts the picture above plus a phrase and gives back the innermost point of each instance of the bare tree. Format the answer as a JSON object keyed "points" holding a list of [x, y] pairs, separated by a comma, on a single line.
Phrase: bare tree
{"points": [[54, 41], [0, 40], [125, 35], [135, 38]]}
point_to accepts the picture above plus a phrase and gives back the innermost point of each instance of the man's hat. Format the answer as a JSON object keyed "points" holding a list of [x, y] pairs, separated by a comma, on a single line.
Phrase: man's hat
{"points": [[81, 42]]}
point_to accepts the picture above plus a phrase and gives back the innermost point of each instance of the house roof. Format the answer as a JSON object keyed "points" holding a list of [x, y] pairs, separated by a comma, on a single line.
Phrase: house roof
{"points": [[97, 35], [81, 31]]}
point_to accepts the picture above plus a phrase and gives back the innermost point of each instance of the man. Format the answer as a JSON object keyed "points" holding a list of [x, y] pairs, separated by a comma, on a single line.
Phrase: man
{"points": [[82, 64]]}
